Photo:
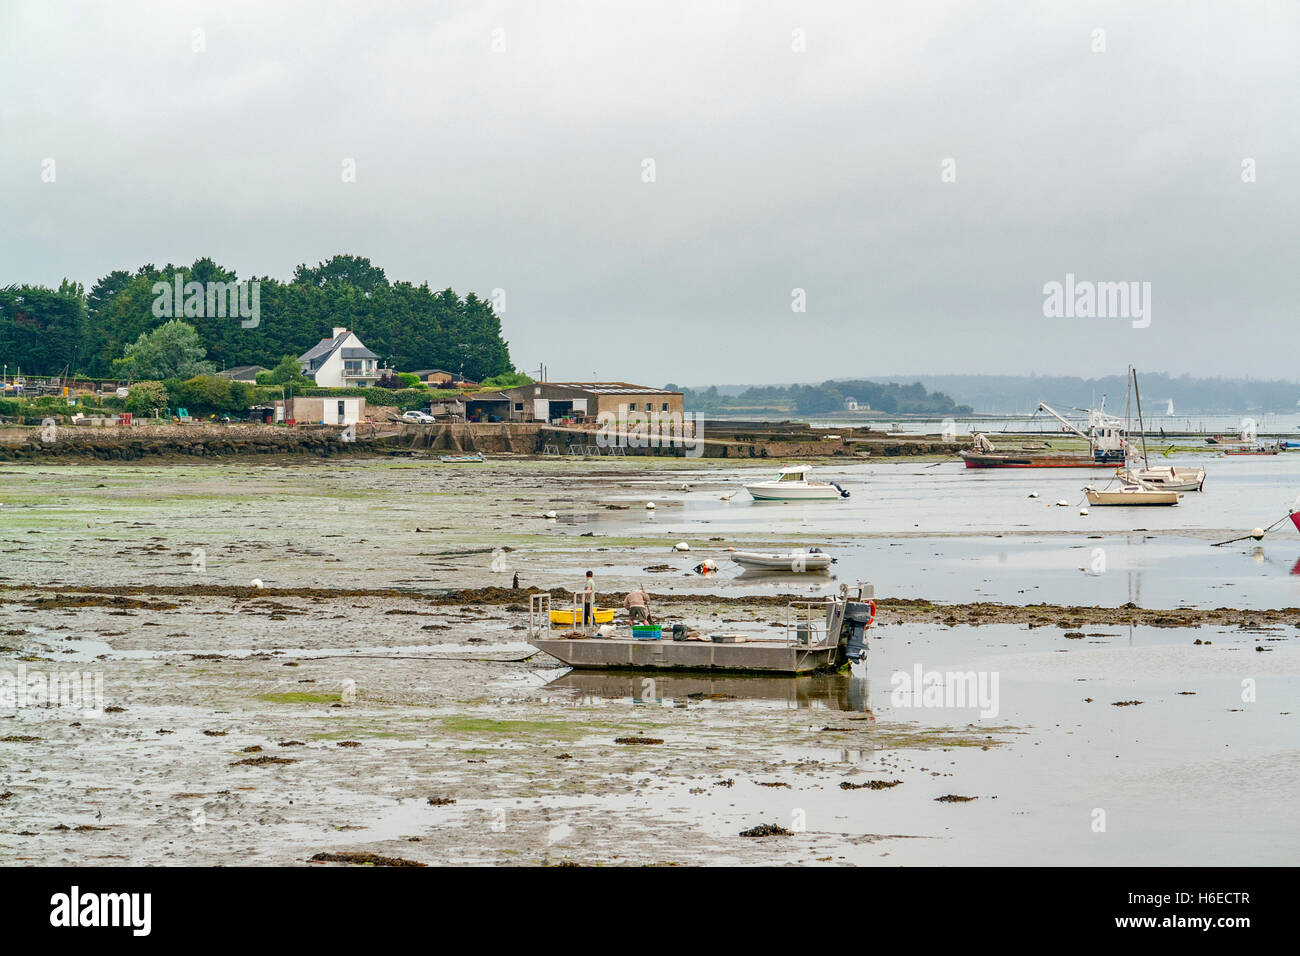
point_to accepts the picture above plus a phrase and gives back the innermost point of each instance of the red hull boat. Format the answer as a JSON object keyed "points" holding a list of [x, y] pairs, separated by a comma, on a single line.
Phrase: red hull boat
{"points": [[1046, 461]]}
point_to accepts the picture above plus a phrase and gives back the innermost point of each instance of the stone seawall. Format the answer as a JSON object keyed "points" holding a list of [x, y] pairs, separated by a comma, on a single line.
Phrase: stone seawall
{"points": [[135, 442], [182, 441]]}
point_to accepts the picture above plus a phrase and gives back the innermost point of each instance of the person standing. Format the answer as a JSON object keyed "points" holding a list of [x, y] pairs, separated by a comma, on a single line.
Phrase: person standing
{"points": [[589, 600]]}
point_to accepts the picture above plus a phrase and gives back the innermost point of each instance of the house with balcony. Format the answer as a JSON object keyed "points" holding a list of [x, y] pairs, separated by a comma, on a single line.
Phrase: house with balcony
{"points": [[341, 361]]}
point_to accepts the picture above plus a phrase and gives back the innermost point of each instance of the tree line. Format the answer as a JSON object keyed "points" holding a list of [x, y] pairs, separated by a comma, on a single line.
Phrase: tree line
{"points": [[831, 396], [47, 331]]}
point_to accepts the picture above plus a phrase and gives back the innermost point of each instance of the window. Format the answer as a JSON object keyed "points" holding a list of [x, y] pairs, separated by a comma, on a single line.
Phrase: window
{"points": [[631, 407], [665, 407], [519, 406]]}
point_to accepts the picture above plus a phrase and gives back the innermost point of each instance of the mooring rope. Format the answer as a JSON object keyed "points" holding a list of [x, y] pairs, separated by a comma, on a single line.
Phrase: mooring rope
{"points": [[1252, 534]]}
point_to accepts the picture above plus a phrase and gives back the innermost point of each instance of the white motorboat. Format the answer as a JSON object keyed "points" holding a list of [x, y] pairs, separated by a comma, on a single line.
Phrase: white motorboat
{"points": [[796, 561], [1170, 479], [793, 484]]}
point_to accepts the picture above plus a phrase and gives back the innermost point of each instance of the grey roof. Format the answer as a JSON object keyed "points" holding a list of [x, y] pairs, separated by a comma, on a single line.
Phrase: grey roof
{"points": [[322, 348], [607, 388], [239, 370], [318, 354]]}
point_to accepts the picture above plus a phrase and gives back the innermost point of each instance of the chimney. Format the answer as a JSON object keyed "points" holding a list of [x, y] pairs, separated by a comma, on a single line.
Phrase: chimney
{"points": [[337, 332]]}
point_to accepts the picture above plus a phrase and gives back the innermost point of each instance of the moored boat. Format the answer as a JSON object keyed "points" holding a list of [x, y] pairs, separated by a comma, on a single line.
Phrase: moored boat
{"points": [[1105, 437], [819, 635], [976, 459], [1253, 450], [1129, 494], [794, 484], [796, 561], [1171, 478]]}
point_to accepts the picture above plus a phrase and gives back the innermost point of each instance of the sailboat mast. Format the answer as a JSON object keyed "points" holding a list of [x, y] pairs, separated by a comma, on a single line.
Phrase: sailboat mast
{"points": [[1137, 395], [1128, 414]]}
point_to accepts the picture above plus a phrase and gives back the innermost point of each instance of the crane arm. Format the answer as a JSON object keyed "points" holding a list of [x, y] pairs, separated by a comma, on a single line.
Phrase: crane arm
{"points": [[1044, 407]]}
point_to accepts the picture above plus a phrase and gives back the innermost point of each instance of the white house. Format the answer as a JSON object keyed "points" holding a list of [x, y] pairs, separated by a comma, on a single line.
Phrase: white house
{"points": [[341, 361]]}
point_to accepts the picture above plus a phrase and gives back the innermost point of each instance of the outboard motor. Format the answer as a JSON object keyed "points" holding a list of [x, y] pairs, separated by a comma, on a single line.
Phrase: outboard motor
{"points": [[859, 613], [836, 486]]}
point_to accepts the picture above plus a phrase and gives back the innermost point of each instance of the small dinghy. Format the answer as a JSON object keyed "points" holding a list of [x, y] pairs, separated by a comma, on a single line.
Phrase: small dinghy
{"points": [[599, 616], [796, 561], [460, 459]]}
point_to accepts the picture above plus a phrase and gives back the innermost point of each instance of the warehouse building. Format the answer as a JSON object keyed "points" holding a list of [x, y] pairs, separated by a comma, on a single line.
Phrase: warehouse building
{"points": [[573, 402]]}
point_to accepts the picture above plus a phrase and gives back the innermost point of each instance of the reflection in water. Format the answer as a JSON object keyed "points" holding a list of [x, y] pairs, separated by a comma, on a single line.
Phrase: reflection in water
{"points": [[817, 691], [811, 580]]}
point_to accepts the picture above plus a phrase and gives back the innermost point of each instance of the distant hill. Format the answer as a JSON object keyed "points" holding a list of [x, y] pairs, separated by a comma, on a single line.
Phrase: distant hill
{"points": [[828, 397], [1011, 394], [1020, 394]]}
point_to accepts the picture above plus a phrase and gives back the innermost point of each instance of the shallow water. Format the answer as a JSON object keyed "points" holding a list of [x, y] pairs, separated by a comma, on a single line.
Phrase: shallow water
{"points": [[944, 533], [1191, 760]]}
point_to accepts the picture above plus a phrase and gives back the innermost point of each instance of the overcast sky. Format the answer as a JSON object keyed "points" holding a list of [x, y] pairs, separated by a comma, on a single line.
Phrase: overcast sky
{"points": [[503, 146]]}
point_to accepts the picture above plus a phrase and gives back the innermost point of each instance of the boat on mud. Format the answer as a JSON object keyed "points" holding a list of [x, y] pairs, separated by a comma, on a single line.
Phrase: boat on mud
{"points": [[1131, 493], [1170, 478], [794, 484], [461, 459], [819, 636], [1107, 445], [1253, 450], [1146, 478], [797, 561]]}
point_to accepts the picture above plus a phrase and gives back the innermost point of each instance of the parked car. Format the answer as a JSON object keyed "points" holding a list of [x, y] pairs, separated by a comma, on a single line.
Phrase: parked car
{"points": [[423, 418]]}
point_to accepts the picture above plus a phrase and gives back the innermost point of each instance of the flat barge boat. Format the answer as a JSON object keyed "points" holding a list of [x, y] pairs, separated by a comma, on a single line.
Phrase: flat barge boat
{"points": [[819, 636]]}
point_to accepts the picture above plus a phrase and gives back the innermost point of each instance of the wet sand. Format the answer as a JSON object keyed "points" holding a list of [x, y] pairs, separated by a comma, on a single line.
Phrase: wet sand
{"points": [[377, 695]]}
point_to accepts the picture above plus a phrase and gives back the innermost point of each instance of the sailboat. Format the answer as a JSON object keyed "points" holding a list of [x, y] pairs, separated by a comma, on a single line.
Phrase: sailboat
{"points": [[1169, 478], [1135, 490], [1131, 493]]}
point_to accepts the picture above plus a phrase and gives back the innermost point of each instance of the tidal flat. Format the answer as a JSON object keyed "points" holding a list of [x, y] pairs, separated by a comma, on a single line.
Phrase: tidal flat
{"points": [[376, 694]]}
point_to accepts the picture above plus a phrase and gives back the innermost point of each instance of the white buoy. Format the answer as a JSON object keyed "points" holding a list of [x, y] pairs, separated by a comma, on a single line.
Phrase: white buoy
{"points": [[549, 514], [257, 582], [1083, 512], [727, 496], [681, 546], [650, 506], [1257, 533], [1062, 503], [685, 486], [1033, 494]]}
